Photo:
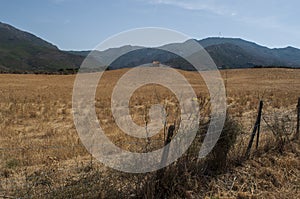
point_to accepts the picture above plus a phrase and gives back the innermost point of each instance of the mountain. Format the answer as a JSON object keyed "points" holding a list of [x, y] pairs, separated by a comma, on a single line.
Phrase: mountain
{"points": [[21, 51], [24, 52], [226, 53], [244, 53]]}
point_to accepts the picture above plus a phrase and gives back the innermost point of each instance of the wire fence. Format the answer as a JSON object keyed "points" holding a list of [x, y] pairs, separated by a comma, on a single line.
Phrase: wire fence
{"points": [[287, 116]]}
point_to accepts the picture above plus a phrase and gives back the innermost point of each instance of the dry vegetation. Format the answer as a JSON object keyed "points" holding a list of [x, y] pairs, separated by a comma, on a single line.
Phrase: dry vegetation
{"points": [[42, 156]]}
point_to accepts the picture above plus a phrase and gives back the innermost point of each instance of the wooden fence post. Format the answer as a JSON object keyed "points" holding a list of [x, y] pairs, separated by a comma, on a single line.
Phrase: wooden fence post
{"points": [[258, 122], [298, 118], [256, 128], [167, 141], [160, 173]]}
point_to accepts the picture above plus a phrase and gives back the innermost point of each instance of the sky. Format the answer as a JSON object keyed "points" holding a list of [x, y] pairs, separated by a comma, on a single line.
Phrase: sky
{"points": [[83, 24]]}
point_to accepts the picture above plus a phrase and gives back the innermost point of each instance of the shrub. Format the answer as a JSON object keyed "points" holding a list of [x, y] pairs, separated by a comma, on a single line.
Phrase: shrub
{"points": [[217, 160], [190, 173], [12, 163]]}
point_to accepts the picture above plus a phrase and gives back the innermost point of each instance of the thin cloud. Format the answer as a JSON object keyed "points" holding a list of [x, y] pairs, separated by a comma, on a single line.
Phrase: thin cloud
{"points": [[210, 6], [230, 9]]}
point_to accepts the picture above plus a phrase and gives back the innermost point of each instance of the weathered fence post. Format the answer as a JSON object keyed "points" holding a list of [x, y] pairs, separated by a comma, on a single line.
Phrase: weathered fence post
{"points": [[258, 122], [167, 141], [160, 173], [256, 128], [298, 118]]}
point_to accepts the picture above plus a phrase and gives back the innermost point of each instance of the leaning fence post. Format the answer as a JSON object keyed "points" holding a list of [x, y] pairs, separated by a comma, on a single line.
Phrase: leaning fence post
{"points": [[166, 146], [298, 118], [258, 122], [165, 154], [256, 126]]}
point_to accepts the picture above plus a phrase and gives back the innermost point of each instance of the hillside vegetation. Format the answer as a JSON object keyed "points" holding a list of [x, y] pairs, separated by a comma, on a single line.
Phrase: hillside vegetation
{"points": [[22, 52]]}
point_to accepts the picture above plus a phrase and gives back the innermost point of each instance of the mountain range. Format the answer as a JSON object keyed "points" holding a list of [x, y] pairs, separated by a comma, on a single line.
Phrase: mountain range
{"points": [[22, 52]]}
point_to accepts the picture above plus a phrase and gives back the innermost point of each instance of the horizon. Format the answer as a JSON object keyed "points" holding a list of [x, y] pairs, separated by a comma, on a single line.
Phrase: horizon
{"points": [[199, 39], [81, 25]]}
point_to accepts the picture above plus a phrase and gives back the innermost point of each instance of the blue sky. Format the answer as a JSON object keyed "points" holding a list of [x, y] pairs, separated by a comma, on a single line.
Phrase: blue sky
{"points": [[82, 24]]}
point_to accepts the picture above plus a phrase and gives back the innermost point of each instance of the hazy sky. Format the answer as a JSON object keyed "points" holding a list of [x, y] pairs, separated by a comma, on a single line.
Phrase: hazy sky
{"points": [[82, 24]]}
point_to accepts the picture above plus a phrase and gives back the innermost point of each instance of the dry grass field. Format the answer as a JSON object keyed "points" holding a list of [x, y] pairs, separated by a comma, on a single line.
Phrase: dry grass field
{"points": [[41, 155]]}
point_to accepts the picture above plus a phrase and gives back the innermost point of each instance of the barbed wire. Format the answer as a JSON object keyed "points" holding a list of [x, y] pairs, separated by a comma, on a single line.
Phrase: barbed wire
{"points": [[265, 117]]}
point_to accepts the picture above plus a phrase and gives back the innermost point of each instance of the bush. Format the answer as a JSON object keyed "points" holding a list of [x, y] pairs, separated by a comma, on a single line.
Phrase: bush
{"points": [[216, 161], [190, 173], [12, 163]]}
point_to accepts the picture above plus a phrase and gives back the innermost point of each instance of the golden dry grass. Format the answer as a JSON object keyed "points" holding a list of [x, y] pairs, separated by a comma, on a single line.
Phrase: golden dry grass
{"points": [[37, 133]]}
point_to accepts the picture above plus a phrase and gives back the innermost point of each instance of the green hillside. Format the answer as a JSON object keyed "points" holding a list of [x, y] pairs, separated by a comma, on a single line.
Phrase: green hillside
{"points": [[23, 52]]}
